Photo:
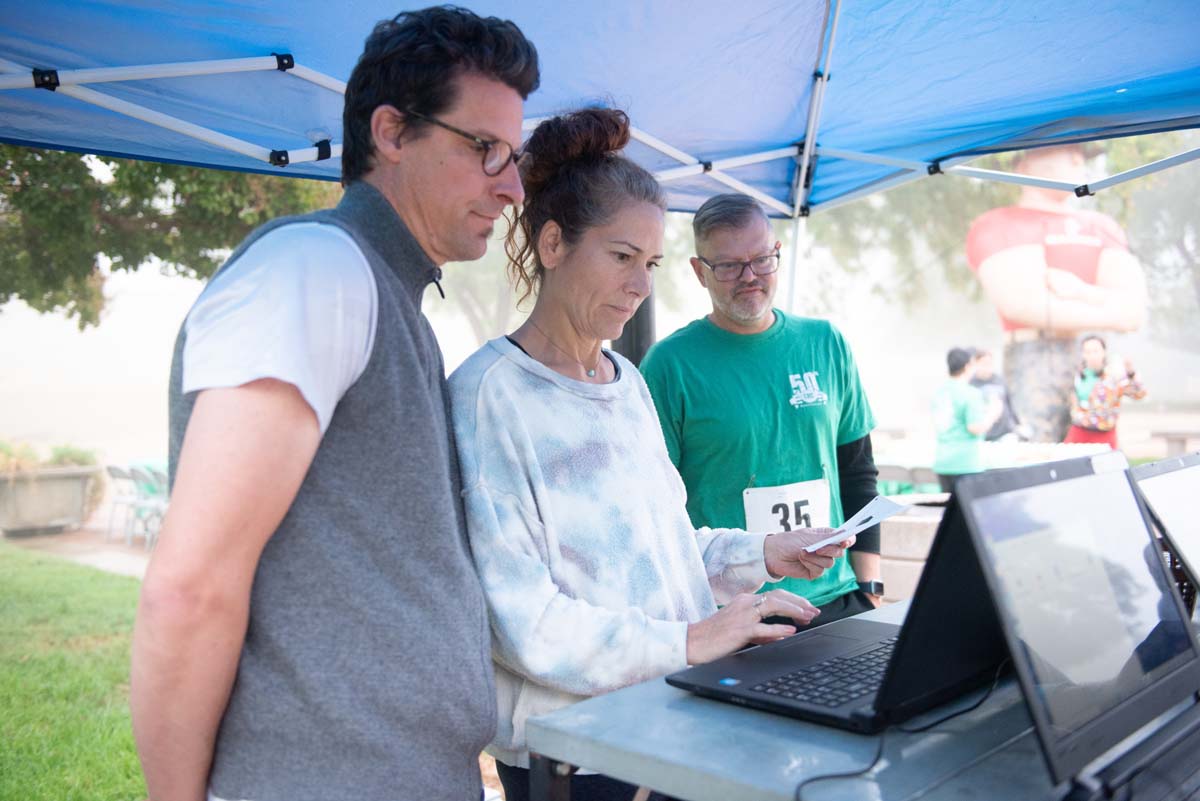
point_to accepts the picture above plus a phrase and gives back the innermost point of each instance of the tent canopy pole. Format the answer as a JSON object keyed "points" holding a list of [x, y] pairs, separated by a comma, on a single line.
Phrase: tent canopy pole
{"points": [[1011, 178], [69, 83], [1138, 172], [688, 170], [811, 127], [914, 170]]}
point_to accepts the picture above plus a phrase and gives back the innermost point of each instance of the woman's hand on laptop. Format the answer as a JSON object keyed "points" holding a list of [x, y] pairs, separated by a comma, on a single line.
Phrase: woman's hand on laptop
{"points": [[785, 555], [740, 623]]}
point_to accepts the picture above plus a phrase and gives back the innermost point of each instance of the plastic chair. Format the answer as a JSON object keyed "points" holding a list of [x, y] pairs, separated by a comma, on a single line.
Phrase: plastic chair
{"points": [[151, 503], [164, 488], [124, 497], [160, 476]]}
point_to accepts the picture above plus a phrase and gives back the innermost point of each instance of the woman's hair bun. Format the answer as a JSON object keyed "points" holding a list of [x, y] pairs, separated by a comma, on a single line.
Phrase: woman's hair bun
{"points": [[575, 176], [583, 136]]}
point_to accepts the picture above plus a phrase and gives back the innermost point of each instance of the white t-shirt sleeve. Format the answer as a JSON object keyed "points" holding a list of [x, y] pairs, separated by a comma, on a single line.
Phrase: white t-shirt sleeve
{"points": [[299, 306]]}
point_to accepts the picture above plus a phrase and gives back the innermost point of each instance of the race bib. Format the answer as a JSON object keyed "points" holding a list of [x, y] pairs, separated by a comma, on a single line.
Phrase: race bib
{"points": [[804, 504]]}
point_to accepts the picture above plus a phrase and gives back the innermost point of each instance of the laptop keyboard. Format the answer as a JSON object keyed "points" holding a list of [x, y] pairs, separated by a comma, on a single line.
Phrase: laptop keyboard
{"points": [[835, 681]]}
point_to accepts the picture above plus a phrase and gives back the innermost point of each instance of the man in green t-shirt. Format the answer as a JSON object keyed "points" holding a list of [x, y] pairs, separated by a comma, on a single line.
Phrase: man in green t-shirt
{"points": [[961, 417], [763, 413]]}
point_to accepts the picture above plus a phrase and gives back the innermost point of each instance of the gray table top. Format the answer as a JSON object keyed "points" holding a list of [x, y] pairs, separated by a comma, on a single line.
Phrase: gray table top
{"points": [[697, 749]]}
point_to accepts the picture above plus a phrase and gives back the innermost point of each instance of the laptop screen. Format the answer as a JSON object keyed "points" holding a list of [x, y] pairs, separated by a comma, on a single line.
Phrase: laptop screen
{"points": [[1082, 583], [1172, 494]]}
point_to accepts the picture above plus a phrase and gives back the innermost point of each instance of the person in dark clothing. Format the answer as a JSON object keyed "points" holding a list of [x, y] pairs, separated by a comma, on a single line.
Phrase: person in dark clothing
{"points": [[992, 385]]}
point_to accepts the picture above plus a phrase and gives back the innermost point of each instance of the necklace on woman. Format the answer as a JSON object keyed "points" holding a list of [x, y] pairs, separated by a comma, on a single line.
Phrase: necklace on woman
{"points": [[591, 371]]}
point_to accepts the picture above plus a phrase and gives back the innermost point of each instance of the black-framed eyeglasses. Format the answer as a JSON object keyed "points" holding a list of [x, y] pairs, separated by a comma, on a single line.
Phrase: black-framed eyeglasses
{"points": [[733, 270], [496, 152]]}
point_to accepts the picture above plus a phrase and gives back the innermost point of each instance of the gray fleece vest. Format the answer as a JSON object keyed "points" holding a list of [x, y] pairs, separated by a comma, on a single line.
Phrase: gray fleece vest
{"points": [[366, 670]]}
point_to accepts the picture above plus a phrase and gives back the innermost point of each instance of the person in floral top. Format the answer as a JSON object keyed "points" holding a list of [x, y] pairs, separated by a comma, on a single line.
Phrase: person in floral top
{"points": [[1096, 401]]}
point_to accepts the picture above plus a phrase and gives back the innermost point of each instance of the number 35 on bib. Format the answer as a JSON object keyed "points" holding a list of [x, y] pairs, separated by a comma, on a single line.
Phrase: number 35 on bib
{"points": [[804, 504]]}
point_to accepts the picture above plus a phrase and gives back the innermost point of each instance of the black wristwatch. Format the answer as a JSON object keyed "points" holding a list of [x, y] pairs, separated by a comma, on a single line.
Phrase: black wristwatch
{"points": [[872, 588]]}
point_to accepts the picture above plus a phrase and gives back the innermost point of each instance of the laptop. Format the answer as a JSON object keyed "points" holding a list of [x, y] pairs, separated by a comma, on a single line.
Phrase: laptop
{"points": [[1171, 489], [1099, 637], [863, 675]]}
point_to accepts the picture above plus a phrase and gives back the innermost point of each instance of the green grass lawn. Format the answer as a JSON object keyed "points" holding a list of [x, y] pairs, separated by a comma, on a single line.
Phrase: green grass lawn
{"points": [[64, 681]]}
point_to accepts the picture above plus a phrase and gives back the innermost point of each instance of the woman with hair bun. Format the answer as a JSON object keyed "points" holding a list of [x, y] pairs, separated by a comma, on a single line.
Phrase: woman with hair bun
{"points": [[595, 577]]}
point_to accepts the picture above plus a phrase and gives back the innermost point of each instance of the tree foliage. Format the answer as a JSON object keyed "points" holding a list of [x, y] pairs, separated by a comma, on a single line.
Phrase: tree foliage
{"points": [[60, 213]]}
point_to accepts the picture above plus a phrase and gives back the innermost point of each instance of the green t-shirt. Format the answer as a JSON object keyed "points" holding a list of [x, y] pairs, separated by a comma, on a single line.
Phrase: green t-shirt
{"points": [[957, 404], [759, 410]]}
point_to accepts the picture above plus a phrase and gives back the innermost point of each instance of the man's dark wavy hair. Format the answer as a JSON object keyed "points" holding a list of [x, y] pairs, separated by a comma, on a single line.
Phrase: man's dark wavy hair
{"points": [[412, 61]]}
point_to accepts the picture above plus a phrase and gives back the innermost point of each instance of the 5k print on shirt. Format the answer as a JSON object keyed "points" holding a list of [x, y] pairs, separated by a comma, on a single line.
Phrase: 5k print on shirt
{"points": [[805, 391]]}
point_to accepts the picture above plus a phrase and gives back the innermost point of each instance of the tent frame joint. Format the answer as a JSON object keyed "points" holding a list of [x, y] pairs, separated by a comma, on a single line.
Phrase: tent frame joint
{"points": [[284, 61], [279, 158], [45, 79]]}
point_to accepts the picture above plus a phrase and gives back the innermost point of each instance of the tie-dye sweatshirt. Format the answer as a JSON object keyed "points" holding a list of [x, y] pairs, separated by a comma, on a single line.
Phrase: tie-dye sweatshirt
{"points": [[577, 524]]}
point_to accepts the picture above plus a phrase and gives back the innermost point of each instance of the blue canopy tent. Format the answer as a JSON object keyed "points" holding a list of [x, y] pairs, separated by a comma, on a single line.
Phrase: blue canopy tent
{"points": [[854, 95], [721, 93]]}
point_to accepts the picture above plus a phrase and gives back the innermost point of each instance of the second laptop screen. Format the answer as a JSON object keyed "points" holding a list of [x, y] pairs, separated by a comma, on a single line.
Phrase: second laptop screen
{"points": [[1173, 496], [1084, 587]]}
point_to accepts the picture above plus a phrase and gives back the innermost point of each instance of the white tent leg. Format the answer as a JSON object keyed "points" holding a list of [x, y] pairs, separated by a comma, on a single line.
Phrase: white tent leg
{"points": [[799, 242]]}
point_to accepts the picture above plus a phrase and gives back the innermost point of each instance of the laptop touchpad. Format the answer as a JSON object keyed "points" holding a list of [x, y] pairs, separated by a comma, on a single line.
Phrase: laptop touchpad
{"points": [[814, 648]]}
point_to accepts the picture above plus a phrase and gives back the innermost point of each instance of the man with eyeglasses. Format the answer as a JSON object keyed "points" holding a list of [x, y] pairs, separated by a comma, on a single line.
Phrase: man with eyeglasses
{"points": [[763, 412], [311, 625]]}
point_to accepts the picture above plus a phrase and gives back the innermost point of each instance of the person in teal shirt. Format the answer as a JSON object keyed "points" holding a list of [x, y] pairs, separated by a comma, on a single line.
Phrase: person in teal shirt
{"points": [[763, 412], [961, 418]]}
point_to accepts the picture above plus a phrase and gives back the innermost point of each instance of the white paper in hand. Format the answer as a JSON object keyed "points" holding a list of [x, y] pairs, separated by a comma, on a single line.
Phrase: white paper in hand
{"points": [[877, 510]]}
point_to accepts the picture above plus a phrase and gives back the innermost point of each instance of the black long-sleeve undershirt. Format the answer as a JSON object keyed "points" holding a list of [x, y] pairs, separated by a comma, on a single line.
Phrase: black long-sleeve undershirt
{"points": [[857, 479]]}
